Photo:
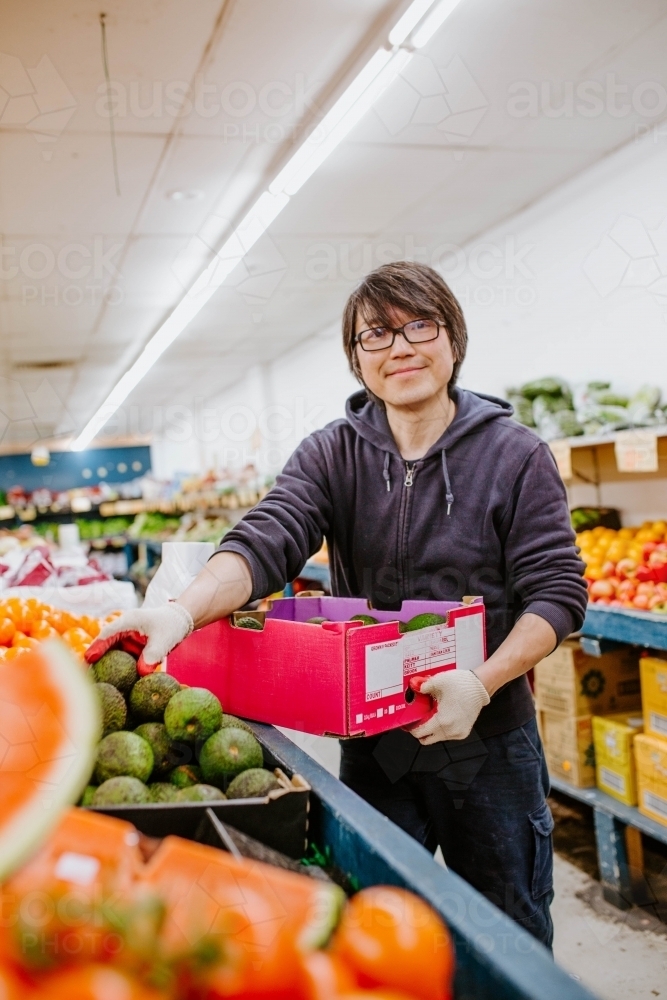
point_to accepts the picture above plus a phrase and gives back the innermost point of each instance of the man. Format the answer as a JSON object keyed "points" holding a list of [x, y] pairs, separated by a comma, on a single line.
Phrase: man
{"points": [[425, 491]]}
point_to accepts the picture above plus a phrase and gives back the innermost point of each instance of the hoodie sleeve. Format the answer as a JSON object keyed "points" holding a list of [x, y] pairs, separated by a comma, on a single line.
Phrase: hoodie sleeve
{"points": [[544, 570], [285, 528]]}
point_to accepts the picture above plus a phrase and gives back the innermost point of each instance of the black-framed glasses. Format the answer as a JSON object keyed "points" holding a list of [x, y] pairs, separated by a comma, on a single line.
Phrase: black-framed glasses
{"points": [[417, 331]]}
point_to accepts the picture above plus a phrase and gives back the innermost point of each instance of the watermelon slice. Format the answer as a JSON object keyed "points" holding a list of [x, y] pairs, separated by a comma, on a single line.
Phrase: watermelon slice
{"points": [[49, 728]]}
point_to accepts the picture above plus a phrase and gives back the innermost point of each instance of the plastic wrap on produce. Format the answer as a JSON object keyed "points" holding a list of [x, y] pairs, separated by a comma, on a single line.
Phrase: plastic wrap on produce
{"points": [[94, 599]]}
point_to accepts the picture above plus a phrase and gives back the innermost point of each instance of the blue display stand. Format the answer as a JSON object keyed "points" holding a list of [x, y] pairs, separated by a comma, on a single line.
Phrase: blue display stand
{"points": [[496, 959]]}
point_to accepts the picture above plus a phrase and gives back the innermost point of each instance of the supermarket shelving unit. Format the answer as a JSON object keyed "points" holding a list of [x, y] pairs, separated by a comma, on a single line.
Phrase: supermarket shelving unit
{"points": [[618, 828]]}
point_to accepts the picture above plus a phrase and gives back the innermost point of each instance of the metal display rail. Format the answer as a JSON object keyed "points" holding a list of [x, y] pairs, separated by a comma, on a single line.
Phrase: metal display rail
{"points": [[639, 628], [496, 959]]}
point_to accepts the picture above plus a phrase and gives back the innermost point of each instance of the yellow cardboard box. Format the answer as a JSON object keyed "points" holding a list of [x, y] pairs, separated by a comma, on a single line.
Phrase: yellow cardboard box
{"points": [[651, 758], [569, 682], [568, 748], [615, 771], [654, 695]]}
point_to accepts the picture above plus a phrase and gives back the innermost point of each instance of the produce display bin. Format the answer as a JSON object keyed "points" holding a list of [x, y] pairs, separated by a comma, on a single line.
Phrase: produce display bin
{"points": [[280, 820], [339, 678], [496, 959]]}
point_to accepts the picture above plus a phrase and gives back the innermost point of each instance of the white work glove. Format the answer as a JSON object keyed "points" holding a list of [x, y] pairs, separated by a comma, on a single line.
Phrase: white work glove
{"points": [[460, 696], [149, 634]]}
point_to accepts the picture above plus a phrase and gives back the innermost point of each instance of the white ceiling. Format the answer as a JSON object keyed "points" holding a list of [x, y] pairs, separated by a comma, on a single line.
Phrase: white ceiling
{"points": [[441, 159]]}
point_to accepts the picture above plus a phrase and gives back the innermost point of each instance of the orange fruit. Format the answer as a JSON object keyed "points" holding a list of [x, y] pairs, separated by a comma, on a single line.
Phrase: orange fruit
{"points": [[76, 637], [13, 652], [393, 939], [90, 625], [20, 639], [20, 615], [7, 630], [40, 629]]}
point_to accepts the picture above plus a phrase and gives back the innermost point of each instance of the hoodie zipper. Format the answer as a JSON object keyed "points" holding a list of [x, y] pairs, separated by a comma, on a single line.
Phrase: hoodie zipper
{"points": [[404, 519]]}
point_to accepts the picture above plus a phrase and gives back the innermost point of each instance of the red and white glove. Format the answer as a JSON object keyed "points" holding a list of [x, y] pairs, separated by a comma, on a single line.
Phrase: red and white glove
{"points": [[148, 634], [460, 697]]}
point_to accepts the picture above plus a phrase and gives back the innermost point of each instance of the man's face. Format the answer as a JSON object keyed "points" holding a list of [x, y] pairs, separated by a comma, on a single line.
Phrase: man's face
{"points": [[406, 374]]}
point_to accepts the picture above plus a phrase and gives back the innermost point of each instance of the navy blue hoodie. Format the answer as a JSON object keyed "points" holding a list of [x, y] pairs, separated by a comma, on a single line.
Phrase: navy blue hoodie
{"points": [[484, 512]]}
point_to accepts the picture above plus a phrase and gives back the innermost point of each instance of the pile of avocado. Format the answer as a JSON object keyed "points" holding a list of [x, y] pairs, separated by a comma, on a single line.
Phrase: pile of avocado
{"points": [[419, 621], [163, 742]]}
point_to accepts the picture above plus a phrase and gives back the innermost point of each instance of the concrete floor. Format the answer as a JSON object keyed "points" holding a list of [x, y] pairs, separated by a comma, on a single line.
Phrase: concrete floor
{"points": [[616, 955]]}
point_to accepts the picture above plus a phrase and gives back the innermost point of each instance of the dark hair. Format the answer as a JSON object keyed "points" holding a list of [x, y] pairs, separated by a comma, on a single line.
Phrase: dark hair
{"points": [[413, 288]]}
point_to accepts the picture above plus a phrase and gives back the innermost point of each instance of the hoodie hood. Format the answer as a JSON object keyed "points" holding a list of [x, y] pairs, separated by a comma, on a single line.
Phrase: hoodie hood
{"points": [[472, 410]]}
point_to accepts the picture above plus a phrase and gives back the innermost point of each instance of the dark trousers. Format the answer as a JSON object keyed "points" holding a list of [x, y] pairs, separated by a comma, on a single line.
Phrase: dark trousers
{"points": [[482, 800]]}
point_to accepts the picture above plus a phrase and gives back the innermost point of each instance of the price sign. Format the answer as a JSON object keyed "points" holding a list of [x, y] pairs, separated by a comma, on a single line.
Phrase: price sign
{"points": [[563, 454], [636, 451]]}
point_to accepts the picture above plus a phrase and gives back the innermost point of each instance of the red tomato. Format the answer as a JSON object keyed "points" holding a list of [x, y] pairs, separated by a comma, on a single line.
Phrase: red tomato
{"points": [[325, 976], [392, 939]]}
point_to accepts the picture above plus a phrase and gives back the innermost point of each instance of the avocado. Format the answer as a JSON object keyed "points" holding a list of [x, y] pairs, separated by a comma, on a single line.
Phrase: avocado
{"points": [[87, 797], [155, 734], [228, 752], [366, 619], [150, 696], [421, 621], [192, 714], [317, 620], [199, 793], [117, 668], [119, 791], [123, 754], [254, 783], [162, 791], [231, 720], [185, 775], [247, 622], [114, 709]]}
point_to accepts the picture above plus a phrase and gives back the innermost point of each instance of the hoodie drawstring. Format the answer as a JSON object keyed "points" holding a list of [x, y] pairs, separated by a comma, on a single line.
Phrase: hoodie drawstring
{"points": [[449, 496], [385, 471]]}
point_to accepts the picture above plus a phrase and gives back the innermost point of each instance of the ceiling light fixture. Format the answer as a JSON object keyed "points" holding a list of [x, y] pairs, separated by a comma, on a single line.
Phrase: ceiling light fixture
{"points": [[435, 20], [410, 19], [366, 88]]}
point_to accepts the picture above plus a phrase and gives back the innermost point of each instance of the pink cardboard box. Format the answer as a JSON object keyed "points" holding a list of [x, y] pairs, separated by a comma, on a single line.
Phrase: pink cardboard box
{"points": [[340, 678]]}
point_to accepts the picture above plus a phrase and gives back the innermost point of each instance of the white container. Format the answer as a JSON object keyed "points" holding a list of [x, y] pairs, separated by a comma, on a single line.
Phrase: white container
{"points": [[181, 562], [68, 537]]}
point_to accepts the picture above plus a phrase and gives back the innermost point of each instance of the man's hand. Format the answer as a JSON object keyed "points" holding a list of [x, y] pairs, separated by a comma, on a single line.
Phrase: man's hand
{"points": [[154, 631], [222, 586], [460, 696]]}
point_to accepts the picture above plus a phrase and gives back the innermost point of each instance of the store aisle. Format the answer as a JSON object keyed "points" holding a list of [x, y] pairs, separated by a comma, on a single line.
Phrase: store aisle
{"points": [[609, 952]]}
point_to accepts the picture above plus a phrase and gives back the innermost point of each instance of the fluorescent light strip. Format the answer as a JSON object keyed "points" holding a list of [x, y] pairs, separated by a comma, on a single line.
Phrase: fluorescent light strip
{"points": [[366, 88], [410, 19], [427, 30]]}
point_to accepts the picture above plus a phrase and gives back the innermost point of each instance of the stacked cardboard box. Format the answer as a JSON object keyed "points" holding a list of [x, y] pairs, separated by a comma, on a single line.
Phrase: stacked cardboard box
{"points": [[651, 748], [571, 687], [613, 738]]}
